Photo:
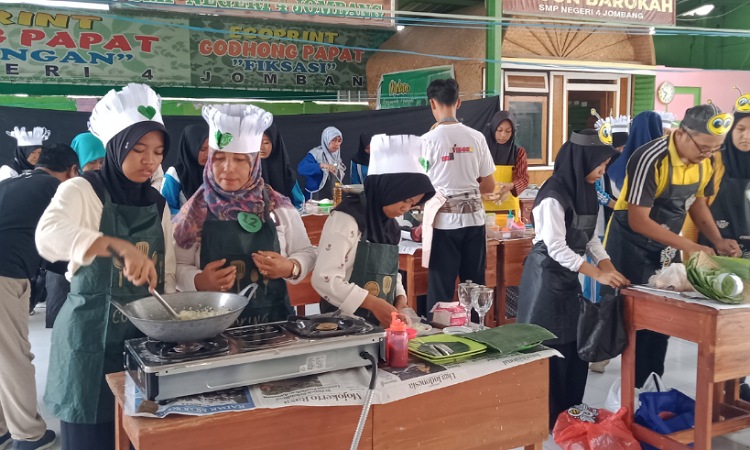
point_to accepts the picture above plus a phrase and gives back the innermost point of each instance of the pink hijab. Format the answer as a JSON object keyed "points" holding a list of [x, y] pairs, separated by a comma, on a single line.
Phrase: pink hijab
{"points": [[223, 204]]}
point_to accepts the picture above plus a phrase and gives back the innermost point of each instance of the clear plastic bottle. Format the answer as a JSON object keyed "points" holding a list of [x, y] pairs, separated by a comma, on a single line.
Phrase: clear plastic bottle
{"points": [[397, 343]]}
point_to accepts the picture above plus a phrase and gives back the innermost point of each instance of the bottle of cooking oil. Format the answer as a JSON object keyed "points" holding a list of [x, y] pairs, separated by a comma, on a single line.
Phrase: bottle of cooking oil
{"points": [[337, 194]]}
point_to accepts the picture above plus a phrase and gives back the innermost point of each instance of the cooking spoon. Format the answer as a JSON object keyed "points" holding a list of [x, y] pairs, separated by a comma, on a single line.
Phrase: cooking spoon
{"points": [[118, 259]]}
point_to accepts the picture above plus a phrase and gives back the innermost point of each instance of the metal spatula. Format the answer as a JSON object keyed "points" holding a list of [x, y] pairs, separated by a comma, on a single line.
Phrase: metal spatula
{"points": [[121, 263]]}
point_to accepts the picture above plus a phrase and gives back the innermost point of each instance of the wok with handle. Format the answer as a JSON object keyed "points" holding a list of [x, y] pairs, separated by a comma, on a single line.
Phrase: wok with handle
{"points": [[149, 316]]}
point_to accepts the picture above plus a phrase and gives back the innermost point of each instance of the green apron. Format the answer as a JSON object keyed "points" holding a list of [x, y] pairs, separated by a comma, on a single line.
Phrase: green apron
{"points": [[375, 270], [88, 336], [227, 239]]}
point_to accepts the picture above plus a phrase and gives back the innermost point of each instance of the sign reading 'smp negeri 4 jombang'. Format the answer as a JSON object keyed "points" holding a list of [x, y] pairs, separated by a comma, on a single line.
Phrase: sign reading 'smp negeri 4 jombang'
{"points": [[645, 12], [42, 46]]}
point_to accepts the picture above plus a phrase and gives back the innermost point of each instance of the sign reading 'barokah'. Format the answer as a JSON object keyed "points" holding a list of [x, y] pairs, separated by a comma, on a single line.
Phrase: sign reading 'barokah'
{"points": [[650, 12]]}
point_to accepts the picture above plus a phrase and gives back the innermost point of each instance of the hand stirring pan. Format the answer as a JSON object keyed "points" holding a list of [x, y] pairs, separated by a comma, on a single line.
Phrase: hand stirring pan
{"points": [[116, 256]]}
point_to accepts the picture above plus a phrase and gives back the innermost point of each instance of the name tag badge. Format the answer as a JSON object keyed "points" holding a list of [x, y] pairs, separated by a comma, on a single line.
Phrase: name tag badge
{"points": [[249, 222]]}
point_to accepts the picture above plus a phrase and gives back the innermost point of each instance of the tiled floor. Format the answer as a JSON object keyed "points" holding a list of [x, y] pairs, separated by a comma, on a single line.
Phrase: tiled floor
{"points": [[680, 374]]}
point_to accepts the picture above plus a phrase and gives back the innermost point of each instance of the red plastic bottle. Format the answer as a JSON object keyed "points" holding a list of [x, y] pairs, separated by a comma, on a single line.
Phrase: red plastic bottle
{"points": [[397, 343]]}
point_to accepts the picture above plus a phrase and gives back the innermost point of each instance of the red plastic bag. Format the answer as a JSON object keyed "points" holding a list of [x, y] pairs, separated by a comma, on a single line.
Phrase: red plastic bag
{"points": [[607, 432]]}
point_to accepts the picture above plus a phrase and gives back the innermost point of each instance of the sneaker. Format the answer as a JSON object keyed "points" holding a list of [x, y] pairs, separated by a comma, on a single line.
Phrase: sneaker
{"points": [[46, 441], [5, 440], [598, 366]]}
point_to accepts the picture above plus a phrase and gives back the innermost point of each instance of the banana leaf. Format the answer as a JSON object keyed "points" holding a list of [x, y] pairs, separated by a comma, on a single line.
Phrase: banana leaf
{"points": [[717, 278]]}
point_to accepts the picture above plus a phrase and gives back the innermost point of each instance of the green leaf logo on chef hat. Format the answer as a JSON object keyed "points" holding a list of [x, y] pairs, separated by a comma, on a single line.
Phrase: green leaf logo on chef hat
{"points": [[223, 139], [147, 111], [425, 164]]}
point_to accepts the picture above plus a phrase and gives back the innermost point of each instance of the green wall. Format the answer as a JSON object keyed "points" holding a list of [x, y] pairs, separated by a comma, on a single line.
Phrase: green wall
{"points": [[704, 52], [181, 107]]}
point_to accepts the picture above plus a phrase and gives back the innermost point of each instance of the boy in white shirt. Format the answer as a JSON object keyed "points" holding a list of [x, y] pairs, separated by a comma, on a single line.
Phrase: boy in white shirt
{"points": [[460, 167]]}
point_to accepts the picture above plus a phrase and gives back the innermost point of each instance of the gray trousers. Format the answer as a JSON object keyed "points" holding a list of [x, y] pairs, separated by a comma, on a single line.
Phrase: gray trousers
{"points": [[18, 410]]}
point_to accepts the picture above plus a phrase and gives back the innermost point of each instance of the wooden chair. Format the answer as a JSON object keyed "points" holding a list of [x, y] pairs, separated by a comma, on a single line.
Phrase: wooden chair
{"points": [[302, 294]]}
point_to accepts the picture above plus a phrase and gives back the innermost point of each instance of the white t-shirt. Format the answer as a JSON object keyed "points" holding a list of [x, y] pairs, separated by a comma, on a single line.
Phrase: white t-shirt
{"points": [[457, 156]]}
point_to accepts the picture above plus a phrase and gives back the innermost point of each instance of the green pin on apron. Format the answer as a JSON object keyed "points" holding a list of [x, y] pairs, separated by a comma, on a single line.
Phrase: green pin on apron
{"points": [[249, 222]]}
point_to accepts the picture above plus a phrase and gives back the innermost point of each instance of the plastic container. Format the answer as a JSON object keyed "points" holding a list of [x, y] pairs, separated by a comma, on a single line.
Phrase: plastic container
{"points": [[489, 220], [501, 220], [325, 207], [397, 343]]}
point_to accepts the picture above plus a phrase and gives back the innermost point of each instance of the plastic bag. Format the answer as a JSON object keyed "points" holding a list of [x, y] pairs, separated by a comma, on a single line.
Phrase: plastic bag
{"points": [[607, 432], [673, 277], [665, 412], [601, 328], [654, 383]]}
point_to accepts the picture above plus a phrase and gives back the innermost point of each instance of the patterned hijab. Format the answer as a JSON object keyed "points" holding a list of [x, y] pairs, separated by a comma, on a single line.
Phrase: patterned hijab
{"points": [[224, 205]]}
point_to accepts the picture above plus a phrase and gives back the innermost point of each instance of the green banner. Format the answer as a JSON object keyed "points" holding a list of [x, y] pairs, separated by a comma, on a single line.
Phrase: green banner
{"points": [[40, 46], [403, 89], [276, 55]]}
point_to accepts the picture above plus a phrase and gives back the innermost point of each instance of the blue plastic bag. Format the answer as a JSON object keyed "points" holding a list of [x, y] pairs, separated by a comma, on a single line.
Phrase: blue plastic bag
{"points": [[665, 412]]}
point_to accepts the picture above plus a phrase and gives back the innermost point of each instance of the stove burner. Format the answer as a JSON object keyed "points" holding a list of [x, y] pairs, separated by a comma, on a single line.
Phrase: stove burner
{"points": [[326, 326], [258, 337], [188, 350]]}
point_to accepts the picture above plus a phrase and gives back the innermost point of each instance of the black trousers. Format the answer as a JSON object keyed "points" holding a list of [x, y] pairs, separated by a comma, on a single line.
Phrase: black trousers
{"points": [[58, 288], [76, 436], [567, 380], [458, 253], [650, 353]]}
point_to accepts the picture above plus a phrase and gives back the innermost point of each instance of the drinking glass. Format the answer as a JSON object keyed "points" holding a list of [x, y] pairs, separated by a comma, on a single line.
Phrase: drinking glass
{"points": [[481, 300], [464, 297]]}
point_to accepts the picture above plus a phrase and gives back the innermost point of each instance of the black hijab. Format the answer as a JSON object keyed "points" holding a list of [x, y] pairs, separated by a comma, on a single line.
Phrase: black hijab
{"points": [[21, 158], [576, 159], [187, 167], [276, 169], [362, 157], [112, 180], [502, 154], [384, 190], [736, 162]]}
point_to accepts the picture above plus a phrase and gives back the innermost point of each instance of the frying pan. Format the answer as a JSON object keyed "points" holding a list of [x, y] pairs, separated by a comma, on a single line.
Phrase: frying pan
{"points": [[149, 316]]}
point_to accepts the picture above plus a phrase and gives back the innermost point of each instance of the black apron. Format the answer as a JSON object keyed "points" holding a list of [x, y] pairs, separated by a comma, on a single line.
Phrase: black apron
{"points": [[638, 257], [88, 336], [326, 192], [548, 293], [731, 211], [375, 270], [227, 239]]}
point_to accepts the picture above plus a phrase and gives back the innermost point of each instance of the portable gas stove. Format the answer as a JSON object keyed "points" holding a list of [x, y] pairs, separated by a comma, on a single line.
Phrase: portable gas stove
{"points": [[251, 354]]}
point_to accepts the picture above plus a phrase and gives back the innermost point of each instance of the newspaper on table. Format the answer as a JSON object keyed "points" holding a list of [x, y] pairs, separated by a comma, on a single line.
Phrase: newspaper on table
{"points": [[408, 247], [339, 388]]}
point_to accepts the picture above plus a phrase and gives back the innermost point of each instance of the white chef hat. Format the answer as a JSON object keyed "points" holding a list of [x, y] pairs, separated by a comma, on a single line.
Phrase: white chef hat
{"points": [[666, 119], [118, 110], [236, 128], [35, 137], [395, 154], [620, 124]]}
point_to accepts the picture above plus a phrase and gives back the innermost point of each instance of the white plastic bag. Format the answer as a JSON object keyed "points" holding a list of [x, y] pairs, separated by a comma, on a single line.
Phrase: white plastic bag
{"points": [[654, 383], [672, 277]]}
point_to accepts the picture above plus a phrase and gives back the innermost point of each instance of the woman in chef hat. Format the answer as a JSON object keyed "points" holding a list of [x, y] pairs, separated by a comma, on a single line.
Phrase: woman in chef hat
{"points": [[28, 148], [236, 230], [92, 217], [357, 268]]}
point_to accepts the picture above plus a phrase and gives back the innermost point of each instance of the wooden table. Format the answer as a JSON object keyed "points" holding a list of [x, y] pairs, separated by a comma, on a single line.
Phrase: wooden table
{"points": [[503, 410], [416, 275], [723, 338], [511, 254]]}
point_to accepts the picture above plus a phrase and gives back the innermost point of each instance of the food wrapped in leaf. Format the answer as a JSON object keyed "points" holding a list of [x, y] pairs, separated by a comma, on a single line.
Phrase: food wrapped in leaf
{"points": [[720, 278]]}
